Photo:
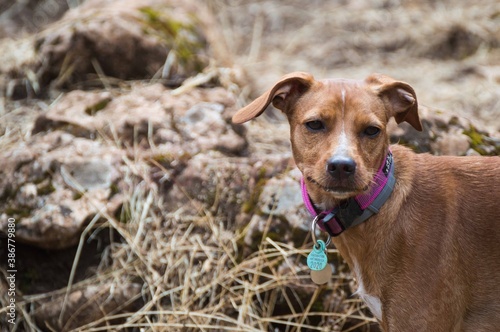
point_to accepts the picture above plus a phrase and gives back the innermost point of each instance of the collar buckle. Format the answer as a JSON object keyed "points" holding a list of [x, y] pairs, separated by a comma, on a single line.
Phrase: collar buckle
{"points": [[328, 222]]}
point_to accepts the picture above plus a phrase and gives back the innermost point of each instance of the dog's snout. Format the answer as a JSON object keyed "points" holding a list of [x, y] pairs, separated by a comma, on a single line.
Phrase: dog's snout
{"points": [[341, 167]]}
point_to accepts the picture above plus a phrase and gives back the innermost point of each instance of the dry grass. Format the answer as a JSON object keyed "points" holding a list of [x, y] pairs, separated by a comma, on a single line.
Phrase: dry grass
{"points": [[194, 277]]}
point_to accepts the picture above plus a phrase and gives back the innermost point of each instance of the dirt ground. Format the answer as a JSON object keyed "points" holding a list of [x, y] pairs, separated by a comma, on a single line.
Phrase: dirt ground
{"points": [[447, 50]]}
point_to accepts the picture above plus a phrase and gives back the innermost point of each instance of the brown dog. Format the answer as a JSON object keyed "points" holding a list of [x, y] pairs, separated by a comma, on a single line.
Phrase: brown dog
{"points": [[427, 255]]}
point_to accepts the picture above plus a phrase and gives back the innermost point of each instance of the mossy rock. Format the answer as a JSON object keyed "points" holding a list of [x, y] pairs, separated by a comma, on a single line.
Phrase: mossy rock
{"points": [[183, 38], [94, 46], [482, 142]]}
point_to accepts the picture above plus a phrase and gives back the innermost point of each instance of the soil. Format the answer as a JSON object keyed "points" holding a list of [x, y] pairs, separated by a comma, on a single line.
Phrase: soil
{"points": [[45, 271]]}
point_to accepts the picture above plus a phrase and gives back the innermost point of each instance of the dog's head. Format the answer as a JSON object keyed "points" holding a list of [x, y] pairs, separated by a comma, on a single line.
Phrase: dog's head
{"points": [[338, 127]]}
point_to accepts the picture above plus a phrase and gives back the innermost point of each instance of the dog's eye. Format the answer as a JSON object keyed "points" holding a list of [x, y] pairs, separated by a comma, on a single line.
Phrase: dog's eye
{"points": [[315, 125], [371, 131]]}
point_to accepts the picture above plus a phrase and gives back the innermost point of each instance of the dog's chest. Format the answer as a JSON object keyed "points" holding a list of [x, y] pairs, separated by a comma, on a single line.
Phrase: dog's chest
{"points": [[372, 302]]}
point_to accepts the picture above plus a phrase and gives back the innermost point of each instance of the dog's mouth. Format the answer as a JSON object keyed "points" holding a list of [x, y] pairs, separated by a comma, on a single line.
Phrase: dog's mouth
{"points": [[338, 190]]}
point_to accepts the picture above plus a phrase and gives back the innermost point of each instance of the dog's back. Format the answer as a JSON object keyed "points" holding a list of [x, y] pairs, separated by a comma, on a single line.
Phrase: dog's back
{"points": [[450, 211]]}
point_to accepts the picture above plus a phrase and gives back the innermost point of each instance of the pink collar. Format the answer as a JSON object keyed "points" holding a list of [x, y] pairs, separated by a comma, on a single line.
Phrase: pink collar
{"points": [[358, 209]]}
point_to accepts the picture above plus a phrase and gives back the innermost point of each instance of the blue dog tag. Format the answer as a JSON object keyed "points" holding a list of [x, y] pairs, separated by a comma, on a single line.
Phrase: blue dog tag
{"points": [[317, 259]]}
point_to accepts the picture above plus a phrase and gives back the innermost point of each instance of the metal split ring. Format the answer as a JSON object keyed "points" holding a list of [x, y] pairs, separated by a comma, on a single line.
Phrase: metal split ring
{"points": [[313, 233]]}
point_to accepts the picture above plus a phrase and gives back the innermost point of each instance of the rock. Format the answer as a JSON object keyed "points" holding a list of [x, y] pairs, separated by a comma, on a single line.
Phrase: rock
{"points": [[455, 42], [148, 114], [281, 197], [60, 177], [98, 42], [445, 134], [453, 143], [86, 305], [88, 174], [224, 186], [109, 38], [281, 212], [52, 185], [21, 17], [75, 113], [204, 124], [89, 149]]}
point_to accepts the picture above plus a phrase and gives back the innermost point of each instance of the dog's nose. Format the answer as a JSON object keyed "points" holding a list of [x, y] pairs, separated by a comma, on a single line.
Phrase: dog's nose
{"points": [[341, 167]]}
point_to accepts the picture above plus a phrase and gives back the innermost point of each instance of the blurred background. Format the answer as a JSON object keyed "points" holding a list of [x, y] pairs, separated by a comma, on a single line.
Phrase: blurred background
{"points": [[139, 206]]}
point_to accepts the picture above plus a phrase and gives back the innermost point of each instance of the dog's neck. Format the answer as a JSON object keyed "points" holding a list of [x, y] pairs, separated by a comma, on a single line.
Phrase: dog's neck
{"points": [[358, 209]]}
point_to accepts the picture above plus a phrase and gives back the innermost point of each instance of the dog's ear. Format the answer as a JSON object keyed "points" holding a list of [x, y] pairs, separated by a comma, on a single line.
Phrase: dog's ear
{"points": [[399, 98], [280, 94]]}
